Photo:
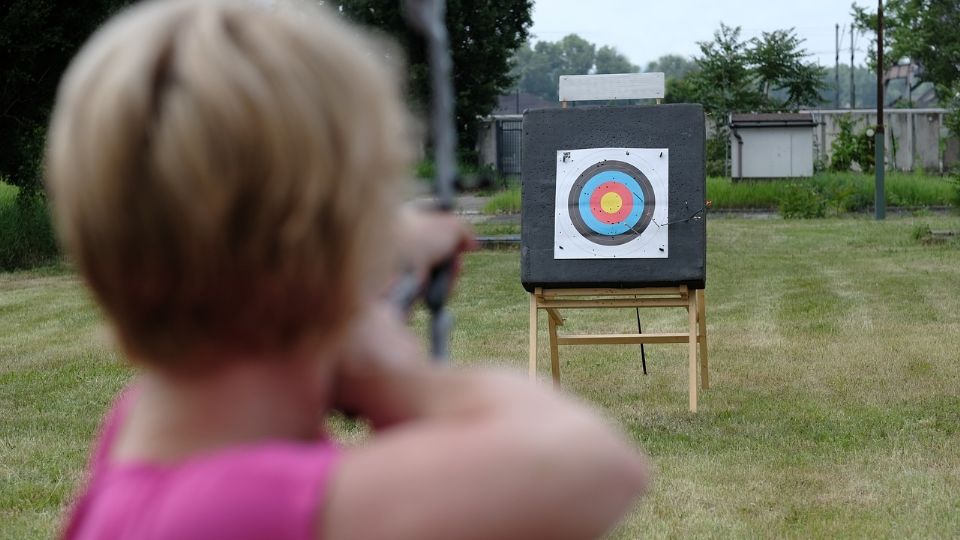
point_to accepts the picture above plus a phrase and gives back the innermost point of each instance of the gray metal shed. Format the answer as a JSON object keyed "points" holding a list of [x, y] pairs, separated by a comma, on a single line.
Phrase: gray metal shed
{"points": [[771, 145]]}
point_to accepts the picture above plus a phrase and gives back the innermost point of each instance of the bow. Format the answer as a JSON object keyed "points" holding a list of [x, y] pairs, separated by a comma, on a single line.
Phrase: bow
{"points": [[427, 17]]}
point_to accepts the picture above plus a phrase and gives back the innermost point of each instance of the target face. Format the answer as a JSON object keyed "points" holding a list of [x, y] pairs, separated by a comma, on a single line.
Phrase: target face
{"points": [[611, 202]]}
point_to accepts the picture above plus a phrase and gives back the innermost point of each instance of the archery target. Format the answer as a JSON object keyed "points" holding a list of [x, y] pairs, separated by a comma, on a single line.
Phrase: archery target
{"points": [[611, 203]]}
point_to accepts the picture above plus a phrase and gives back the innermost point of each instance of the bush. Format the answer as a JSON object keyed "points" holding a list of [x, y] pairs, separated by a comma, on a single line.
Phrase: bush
{"points": [[803, 201], [425, 169], [952, 103], [849, 148], [469, 177], [479, 178], [26, 233], [922, 231], [955, 199], [717, 154], [505, 202]]}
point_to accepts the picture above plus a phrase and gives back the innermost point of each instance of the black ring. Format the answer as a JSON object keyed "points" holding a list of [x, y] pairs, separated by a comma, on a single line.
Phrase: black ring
{"points": [[649, 203]]}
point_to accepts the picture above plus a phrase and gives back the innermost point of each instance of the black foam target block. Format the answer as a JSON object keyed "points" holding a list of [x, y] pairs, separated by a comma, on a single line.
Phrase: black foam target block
{"points": [[678, 128]]}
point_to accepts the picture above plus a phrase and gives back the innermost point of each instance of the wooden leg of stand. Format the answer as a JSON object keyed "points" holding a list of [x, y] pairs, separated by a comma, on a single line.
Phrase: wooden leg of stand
{"points": [[692, 371], [554, 353], [704, 362], [533, 337]]}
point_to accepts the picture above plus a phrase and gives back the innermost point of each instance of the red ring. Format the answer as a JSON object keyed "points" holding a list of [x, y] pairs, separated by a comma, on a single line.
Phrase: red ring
{"points": [[625, 196]]}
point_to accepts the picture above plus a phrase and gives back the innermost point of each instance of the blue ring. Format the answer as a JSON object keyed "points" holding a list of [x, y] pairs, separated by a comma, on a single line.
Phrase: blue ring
{"points": [[611, 229]]}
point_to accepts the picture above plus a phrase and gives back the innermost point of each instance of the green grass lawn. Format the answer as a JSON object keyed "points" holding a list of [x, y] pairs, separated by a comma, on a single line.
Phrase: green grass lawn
{"points": [[834, 411], [496, 229]]}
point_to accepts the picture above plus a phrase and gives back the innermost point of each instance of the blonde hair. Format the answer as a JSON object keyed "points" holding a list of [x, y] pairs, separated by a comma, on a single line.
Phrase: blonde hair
{"points": [[222, 174]]}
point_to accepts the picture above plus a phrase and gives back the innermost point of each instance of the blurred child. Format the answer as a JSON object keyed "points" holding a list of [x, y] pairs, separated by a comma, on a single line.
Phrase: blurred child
{"points": [[224, 177]]}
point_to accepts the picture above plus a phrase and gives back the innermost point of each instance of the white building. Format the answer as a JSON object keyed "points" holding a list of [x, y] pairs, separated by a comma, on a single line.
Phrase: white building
{"points": [[771, 145]]}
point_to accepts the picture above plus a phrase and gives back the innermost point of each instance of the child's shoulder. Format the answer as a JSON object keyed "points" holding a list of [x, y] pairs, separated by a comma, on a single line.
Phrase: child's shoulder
{"points": [[268, 489]]}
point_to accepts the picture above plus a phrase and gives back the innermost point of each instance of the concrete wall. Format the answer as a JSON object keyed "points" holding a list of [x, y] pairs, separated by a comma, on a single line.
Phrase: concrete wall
{"points": [[916, 139], [912, 137], [487, 148], [773, 152], [487, 142]]}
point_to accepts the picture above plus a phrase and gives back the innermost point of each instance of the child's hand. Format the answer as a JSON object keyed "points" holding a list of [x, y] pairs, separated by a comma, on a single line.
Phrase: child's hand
{"points": [[427, 239]]}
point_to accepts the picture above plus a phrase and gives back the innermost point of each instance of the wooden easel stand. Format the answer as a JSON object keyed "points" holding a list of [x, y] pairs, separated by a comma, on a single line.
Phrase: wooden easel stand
{"points": [[552, 300]]}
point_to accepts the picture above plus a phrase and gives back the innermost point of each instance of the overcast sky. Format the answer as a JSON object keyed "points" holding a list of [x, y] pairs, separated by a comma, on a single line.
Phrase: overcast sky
{"points": [[644, 30]]}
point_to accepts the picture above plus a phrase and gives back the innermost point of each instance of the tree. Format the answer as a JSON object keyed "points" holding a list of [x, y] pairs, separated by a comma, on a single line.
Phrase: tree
{"points": [[778, 64], [925, 31], [681, 91], [743, 76], [675, 69], [535, 68], [609, 60], [37, 40], [577, 54], [483, 38], [865, 82], [538, 67], [725, 81], [673, 66]]}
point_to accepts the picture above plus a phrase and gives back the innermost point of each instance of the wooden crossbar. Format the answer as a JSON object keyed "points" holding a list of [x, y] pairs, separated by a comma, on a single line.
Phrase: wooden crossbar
{"points": [[625, 339], [552, 300], [647, 291], [614, 303]]}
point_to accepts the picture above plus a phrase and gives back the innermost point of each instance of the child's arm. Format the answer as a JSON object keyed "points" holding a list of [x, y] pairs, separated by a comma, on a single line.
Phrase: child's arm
{"points": [[461, 455]]}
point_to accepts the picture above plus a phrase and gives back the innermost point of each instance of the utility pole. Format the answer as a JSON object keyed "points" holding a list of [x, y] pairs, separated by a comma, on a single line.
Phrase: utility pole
{"points": [[910, 83], [853, 86], [880, 202], [836, 70]]}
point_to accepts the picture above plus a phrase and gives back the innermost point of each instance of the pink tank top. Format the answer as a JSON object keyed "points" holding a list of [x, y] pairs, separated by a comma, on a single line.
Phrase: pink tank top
{"points": [[271, 490]]}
